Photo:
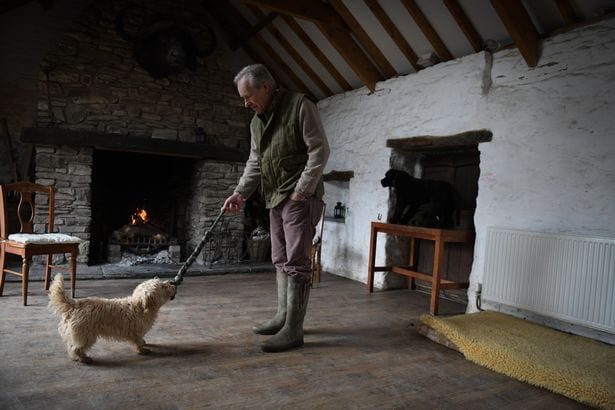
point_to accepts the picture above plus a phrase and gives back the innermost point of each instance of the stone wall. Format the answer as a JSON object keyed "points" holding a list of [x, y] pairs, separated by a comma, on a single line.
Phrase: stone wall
{"points": [[26, 33], [550, 166], [89, 81], [96, 85], [69, 170]]}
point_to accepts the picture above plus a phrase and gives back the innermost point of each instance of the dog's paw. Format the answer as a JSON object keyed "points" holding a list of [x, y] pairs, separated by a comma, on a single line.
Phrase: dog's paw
{"points": [[85, 360], [144, 350]]}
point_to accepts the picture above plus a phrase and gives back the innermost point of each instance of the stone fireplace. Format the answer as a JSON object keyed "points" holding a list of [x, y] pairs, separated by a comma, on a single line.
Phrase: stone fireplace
{"points": [[111, 138], [99, 189]]}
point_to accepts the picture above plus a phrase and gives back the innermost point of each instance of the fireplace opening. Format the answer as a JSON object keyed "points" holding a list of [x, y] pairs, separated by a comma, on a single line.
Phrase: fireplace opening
{"points": [[138, 203]]}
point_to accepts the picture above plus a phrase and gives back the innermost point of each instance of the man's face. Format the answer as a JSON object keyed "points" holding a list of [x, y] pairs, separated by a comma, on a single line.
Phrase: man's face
{"points": [[254, 97]]}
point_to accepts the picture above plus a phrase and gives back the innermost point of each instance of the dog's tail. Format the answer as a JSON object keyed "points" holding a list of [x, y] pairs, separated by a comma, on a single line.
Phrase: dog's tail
{"points": [[58, 301]]}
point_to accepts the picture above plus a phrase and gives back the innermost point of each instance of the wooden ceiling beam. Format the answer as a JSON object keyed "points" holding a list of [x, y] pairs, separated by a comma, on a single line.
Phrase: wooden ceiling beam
{"points": [[315, 11], [464, 23], [364, 39], [293, 52], [334, 28], [428, 30], [567, 12], [320, 56], [394, 33], [227, 9], [520, 27], [265, 21], [284, 67], [354, 56]]}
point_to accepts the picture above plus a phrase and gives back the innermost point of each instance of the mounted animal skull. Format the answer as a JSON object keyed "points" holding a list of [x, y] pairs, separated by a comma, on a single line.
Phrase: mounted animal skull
{"points": [[164, 46]]}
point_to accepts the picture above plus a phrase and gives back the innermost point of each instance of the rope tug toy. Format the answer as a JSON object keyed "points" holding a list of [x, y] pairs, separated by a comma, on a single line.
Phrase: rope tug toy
{"points": [[177, 280]]}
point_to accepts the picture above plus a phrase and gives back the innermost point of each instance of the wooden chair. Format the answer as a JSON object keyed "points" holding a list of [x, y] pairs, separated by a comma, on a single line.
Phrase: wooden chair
{"points": [[315, 265], [27, 243]]}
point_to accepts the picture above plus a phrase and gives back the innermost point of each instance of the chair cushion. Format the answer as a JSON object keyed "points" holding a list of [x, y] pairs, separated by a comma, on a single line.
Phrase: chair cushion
{"points": [[42, 238]]}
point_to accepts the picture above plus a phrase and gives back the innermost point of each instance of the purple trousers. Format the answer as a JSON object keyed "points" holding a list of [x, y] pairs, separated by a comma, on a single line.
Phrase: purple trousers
{"points": [[292, 228]]}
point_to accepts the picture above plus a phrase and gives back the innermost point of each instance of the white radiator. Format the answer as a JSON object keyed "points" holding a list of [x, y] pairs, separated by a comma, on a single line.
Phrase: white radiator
{"points": [[567, 277]]}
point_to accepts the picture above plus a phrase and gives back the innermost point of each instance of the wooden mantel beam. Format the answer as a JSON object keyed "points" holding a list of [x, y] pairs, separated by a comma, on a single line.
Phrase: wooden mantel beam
{"points": [[127, 143], [519, 24]]}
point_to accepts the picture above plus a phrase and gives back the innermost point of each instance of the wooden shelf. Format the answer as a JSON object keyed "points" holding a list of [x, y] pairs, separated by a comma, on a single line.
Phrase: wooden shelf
{"points": [[334, 219], [338, 176]]}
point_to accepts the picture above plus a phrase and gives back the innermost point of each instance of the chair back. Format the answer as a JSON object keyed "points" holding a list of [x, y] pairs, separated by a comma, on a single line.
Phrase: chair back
{"points": [[26, 208]]}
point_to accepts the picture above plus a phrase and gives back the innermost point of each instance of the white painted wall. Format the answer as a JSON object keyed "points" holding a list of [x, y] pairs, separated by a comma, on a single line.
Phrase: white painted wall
{"points": [[550, 166]]}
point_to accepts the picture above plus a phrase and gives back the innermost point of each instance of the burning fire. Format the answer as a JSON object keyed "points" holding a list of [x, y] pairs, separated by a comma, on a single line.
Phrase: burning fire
{"points": [[139, 217]]}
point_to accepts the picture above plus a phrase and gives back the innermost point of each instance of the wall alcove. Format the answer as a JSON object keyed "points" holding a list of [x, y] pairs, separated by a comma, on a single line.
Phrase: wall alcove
{"points": [[339, 181], [454, 159]]}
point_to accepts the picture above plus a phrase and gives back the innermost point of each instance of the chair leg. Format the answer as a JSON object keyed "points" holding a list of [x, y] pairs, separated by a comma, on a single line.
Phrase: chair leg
{"points": [[73, 272], [2, 272], [318, 264], [48, 271], [25, 269]]}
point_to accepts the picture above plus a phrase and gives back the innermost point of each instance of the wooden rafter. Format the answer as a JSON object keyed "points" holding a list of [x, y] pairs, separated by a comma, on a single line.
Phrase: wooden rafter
{"points": [[334, 28], [320, 56], [520, 27], [428, 30], [293, 52], [395, 34], [314, 11], [354, 56], [229, 10], [365, 40], [280, 63], [464, 24], [265, 21], [222, 17], [567, 12]]}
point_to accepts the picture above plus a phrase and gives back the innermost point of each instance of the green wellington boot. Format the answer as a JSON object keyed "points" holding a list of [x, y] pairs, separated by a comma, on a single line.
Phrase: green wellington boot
{"points": [[274, 325], [291, 335]]}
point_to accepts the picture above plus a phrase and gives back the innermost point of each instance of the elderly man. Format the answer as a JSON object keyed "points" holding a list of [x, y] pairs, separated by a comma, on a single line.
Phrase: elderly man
{"points": [[288, 152]]}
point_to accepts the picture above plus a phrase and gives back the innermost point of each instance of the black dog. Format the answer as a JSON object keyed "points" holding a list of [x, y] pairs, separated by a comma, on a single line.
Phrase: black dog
{"points": [[420, 202]]}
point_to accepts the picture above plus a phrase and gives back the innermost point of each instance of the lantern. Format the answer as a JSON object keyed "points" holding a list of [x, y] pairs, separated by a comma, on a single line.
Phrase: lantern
{"points": [[339, 211]]}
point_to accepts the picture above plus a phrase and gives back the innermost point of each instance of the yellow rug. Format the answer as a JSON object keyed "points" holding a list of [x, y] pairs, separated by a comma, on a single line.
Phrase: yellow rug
{"points": [[574, 366]]}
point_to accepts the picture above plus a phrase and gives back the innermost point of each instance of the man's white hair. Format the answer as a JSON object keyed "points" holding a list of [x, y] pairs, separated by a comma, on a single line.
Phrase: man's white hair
{"points": [[255, 74]]}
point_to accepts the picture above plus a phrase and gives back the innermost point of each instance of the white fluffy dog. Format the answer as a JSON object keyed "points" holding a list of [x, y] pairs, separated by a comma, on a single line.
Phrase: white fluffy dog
{"points": [[129, 318]]}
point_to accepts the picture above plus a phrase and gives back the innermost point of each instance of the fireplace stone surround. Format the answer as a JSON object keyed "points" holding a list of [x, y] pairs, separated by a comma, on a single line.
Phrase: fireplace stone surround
{"points": [[65, 159]]}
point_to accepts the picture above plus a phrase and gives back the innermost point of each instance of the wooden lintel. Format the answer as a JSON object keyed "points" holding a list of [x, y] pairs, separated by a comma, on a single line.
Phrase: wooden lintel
{"points": [[128, 143], [428, 143], [520, 27]]}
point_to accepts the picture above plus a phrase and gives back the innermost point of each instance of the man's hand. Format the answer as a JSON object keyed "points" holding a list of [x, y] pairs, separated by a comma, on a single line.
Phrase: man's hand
{"points": [[296, 196], [233, 204]]}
